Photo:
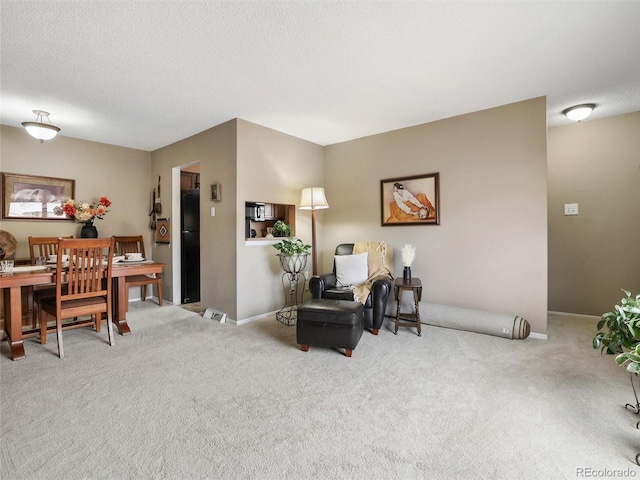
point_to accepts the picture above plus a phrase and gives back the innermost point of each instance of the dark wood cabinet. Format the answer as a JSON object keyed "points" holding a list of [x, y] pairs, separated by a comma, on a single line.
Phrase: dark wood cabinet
{"points": [[189, 181], [269, 211]]}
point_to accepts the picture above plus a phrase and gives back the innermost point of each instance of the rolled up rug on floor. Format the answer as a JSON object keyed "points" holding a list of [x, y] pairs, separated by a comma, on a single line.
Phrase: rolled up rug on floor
{"points": [[500, 325]]}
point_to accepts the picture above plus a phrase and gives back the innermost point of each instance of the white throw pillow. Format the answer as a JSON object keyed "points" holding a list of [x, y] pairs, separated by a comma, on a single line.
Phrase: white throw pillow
{"points": [[352, 269]]}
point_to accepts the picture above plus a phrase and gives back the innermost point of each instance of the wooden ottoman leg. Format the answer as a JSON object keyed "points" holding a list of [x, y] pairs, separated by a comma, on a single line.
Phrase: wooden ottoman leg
{"points": [[348, 352], [375, 331], [304, 347]]}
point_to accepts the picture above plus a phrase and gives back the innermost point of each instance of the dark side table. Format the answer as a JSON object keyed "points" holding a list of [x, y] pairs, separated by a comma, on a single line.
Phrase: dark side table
{"points": [[408, 319]]}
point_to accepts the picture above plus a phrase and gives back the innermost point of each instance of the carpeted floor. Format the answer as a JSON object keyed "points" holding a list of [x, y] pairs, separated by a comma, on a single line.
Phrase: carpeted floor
{"points": [[193, 307], [184, 397]]}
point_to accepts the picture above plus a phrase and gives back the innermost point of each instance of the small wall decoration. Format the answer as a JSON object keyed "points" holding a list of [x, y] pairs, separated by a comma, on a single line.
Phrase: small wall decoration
{"points": [[410, 200], [163, 230], [29, 197], [216, 193]]}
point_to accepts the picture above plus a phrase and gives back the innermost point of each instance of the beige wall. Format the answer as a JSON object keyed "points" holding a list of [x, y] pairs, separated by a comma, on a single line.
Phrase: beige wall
{"points": [[490, 250], [215, 151], [489, 253], [252, 163], [595, 164], [272, 167], [121, 174]]}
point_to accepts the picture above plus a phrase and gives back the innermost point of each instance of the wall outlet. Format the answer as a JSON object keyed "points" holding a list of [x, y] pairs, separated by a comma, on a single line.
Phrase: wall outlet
{"points": [[571, 209]]}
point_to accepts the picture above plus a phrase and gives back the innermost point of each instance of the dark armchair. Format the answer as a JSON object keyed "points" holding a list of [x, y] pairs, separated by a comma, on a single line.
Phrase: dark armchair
{"points": [[325, 286]]}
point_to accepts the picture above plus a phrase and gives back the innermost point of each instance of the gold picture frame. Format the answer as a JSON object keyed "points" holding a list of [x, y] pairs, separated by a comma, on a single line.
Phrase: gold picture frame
{"points": [[410, 200], [31, 197]]}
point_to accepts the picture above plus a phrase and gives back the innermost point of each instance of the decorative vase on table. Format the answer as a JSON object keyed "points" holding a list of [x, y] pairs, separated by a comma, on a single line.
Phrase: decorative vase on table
{"points": [[408, 254], [84, 213], [406, 274], [88, 230]]}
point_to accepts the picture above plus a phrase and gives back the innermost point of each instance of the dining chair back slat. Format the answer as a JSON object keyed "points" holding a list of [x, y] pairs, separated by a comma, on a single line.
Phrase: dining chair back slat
{"points": [[86, 271]]}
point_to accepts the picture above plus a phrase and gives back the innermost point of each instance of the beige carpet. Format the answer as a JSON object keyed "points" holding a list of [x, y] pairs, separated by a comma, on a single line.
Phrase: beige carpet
{"points": [[193, 307], [183, 397]]}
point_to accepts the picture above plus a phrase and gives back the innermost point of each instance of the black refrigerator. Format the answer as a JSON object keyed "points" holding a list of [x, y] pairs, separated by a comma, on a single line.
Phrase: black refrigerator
{"points": [[190, 253]]}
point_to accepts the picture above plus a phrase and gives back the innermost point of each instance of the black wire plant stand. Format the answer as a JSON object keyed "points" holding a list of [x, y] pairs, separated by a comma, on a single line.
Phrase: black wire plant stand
{"points": [[635, 408], [293, 282]]}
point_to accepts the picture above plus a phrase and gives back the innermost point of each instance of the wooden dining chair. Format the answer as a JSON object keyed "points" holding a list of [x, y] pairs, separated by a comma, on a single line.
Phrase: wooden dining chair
{"points": [[84, 290], [42, 247], [135, 244]]}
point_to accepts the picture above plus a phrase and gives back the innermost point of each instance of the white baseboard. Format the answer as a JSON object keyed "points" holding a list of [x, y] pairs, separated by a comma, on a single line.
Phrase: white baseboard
{"points": [[539, 336], [251, 319], [139, 299], [575, 315], [544, 336]]}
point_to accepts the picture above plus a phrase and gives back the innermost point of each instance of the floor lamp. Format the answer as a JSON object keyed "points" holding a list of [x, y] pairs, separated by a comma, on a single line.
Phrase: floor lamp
{"points": [[313, 199]]}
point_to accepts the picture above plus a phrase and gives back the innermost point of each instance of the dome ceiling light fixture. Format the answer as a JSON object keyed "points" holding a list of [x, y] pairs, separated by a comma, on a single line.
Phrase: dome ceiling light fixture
{"points": [[39, 129], [579, 112]]}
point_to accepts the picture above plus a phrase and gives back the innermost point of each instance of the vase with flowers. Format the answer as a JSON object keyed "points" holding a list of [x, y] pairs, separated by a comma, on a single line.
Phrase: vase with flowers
{"points": [[408, 253], [85, 213]]}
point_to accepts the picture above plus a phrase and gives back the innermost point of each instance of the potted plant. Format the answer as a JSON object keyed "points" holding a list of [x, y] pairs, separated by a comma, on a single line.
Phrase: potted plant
{"points": [[622, 333], [622, 327], [293, 254], [631, 359], [281, 229]]}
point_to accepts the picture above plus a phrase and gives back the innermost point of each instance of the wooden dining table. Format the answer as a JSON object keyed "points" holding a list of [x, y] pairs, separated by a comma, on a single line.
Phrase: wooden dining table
{"points": [[12, 283]]}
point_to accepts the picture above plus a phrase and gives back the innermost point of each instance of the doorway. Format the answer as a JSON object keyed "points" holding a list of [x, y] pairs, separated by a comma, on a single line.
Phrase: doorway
{"points": [[189, 237]]}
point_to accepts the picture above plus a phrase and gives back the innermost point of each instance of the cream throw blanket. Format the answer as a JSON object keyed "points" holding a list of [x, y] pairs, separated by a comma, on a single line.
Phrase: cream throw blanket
{"points": [[380, 262]]}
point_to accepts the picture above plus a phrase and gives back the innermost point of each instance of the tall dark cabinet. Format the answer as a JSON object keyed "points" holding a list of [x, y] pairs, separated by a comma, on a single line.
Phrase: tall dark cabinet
{"points": [[190, 252]]}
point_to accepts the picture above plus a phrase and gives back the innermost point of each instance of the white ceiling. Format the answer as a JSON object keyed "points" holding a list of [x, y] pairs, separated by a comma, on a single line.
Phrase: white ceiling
{"points": [[144, 74]]}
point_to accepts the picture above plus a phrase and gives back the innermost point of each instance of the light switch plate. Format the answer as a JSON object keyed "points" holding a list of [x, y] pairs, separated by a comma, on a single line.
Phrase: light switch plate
{"points": [[213, 211], [571, 209]]}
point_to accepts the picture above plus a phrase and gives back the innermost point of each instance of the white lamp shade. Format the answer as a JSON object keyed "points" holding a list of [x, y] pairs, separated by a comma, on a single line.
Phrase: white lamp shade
{"points": [[579, 112], [41, 131], [313, 199]]}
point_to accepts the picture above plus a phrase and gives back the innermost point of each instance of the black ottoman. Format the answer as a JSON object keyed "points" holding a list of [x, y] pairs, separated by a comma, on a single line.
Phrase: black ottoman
{"points": [[330, 323]]}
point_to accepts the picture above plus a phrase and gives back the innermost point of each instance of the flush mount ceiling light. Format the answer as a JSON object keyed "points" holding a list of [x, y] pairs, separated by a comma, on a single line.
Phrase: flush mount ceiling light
{"points": [[579, 112], [40, 130]]}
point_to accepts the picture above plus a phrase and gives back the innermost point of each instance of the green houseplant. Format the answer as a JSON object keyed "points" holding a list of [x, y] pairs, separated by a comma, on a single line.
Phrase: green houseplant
{"points": [[281, 229], [622, 332], [620, 329], [293, 254], [631, 359], [292, 246]]}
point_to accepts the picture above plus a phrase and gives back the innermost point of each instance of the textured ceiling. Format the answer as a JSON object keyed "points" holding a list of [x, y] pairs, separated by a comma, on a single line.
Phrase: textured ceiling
{"points": [[145, 74]]}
